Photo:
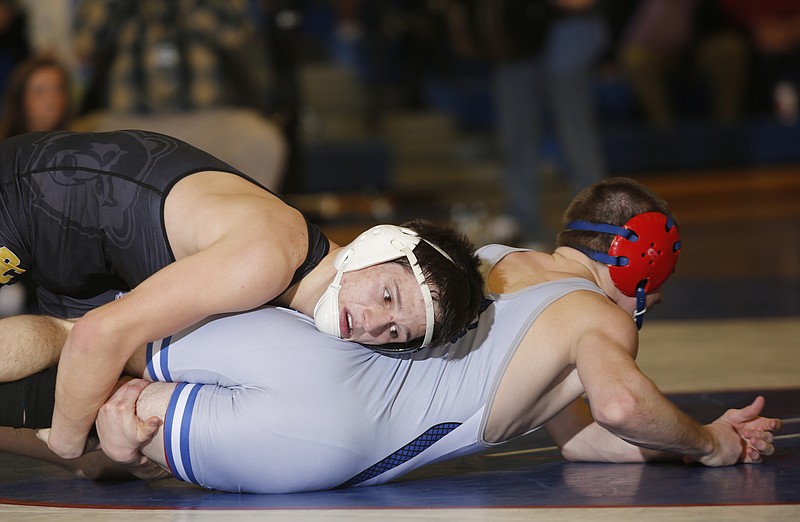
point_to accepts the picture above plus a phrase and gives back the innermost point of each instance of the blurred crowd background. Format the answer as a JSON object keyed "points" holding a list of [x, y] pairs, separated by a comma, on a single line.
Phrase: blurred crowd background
{"points": [[489, 114]]}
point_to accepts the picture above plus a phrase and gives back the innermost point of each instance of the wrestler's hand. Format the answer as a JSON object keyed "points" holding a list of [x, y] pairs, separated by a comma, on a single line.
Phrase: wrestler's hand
{"points": [[754, 429], [92, 442], [742, 435], [122, 433], [44, 435]]}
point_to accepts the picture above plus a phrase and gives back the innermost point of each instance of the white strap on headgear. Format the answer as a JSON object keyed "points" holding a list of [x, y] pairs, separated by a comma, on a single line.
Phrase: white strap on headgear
{"points": [[377, 245], [426, 293]]}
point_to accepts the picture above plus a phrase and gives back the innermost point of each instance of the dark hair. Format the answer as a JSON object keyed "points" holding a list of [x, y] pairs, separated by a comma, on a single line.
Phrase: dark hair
{"points": [[613, 201], [456, 285], [14, 119]]}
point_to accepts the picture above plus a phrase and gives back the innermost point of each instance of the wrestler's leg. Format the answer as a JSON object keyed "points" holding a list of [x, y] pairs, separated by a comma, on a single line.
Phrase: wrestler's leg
{"points": [[29, 402], [94, 465], [30, 344]]}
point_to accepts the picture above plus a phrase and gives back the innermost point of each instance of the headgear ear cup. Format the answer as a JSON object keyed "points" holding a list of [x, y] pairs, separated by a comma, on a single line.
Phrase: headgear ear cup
{"points": [[642, 255], [652, 251]]}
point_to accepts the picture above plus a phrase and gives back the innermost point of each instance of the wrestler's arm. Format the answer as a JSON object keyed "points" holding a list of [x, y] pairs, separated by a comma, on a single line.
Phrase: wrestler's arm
{"points": [[178, 296], [94, 465], [31, 344], [581, 439], [627, 404]]}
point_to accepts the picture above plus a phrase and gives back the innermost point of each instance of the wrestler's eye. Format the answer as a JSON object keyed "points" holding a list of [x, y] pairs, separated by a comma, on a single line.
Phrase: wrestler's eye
{"points": [[393, 332], [387, 296]]}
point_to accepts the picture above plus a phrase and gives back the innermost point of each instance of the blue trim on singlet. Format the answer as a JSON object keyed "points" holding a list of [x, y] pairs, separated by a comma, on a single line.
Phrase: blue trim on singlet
{"points": [[163, 360], [184, 438], [184, 418], [168, 422], [404, 454]]}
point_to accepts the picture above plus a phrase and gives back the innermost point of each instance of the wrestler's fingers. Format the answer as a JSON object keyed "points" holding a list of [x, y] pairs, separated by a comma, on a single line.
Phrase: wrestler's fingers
{"points": [[148, 429], [747, 413], [126, 395], [765, 424], [752, 456], [762, 446], [43, 435], [766, 436], [133, 388], [762, 441]]}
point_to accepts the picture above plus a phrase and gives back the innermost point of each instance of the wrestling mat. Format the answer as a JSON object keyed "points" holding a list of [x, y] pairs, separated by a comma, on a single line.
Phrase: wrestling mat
{"points": [[526, 473]]}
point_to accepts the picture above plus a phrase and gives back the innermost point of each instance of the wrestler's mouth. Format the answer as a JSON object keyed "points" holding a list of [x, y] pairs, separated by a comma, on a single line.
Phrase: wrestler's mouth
{"points": [[346, 325]]}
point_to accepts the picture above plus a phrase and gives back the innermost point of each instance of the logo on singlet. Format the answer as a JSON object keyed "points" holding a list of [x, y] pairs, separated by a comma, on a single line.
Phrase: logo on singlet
{"points": [[9, 266]]}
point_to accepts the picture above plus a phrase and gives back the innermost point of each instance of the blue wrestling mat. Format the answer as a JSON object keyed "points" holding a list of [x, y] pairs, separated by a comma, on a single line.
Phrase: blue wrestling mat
{"points": [[526, 473]]}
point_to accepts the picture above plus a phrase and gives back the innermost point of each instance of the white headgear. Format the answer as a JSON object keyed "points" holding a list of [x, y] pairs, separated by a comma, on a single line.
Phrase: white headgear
{"points": [[377, 245]]}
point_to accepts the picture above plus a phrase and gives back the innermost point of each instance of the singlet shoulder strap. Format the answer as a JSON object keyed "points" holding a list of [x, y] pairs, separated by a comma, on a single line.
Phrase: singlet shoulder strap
{"points": [[318, 247]]}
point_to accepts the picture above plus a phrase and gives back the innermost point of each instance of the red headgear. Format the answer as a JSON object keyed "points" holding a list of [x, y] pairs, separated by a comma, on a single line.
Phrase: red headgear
{"points": [[643, 254], [651, 249]]}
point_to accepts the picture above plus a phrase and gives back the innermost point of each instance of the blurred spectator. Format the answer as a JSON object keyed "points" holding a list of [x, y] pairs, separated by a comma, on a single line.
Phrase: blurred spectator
{"points": [[391, 45], [13, 39], [185, 69], [545, 53], [774, 29], [663, 36], [159, 56], [278, 24], [37, 98], [50, 31]]}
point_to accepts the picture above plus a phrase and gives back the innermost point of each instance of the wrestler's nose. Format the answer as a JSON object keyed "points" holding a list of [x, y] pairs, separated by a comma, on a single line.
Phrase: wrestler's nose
{"points": [[377, 321]]}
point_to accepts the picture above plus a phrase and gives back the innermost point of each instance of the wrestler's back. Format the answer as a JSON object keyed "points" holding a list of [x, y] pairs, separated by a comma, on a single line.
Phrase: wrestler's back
{"points": [[83, 211]]}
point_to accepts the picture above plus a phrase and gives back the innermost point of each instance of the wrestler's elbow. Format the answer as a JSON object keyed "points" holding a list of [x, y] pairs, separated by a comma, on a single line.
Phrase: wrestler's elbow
{"points": [[571, 451], [617, 410], [95, 337]]}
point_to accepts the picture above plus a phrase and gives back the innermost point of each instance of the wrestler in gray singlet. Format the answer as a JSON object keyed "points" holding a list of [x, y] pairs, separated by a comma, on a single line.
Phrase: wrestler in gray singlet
{"points": [[82, 213], [294, 410]]}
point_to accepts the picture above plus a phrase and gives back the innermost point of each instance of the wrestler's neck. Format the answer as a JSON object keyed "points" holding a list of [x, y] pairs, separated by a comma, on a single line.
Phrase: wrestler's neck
{"points": [[581, 265], [303, 295], [523, 269]]}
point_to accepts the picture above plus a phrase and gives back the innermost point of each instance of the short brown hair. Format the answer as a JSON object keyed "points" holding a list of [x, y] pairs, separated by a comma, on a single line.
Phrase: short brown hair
{"points": [[613, 201], [456, 284]]}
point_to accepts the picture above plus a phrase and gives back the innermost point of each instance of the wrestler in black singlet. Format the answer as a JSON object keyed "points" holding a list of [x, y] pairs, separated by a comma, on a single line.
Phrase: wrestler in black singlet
{"points": [[83, 213]]}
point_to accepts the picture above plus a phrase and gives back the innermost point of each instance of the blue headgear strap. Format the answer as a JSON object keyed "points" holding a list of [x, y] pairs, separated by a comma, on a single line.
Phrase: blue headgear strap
{"points": [[602, 257], [603, 227], [641, 295], [641, 307]]}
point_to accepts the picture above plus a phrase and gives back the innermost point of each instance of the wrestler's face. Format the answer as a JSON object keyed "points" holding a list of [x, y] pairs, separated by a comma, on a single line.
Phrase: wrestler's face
{"points": [[381, 304]]}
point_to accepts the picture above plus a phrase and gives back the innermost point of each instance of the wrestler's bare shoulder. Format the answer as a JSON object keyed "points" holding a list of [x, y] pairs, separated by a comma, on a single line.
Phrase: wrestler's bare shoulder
{"points": [[519, 270], [206, 207]]}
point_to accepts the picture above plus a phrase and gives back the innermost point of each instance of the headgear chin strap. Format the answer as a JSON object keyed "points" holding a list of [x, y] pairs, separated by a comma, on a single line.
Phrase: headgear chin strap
{"points": [[642, 255], [377, 245]]}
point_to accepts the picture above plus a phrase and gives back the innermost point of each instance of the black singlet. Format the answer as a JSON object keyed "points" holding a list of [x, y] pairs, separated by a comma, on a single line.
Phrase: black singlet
{"points": [[82, 213]]}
